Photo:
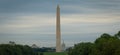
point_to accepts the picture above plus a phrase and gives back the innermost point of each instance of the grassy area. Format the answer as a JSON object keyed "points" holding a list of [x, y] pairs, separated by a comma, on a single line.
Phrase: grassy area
{"points": [[55, 53]]}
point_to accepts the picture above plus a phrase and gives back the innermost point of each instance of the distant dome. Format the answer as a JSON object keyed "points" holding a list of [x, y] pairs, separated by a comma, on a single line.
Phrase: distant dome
{"points": [[34, 46], [63, 46]]}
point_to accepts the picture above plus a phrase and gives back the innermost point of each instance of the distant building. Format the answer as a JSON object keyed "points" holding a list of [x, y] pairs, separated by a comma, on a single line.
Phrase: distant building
{"points": [[34, 46], [11, 42], [63, 47]]}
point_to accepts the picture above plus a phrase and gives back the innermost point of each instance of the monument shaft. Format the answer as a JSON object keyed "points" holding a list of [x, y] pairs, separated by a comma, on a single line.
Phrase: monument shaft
{"points": [[58, 32]]}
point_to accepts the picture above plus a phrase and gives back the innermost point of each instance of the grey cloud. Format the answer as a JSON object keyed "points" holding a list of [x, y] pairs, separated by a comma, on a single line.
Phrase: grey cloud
{"points": [[34, 20]]}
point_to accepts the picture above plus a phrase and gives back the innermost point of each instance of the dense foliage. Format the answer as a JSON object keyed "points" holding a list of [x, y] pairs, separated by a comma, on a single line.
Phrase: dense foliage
{"points": [[55, 53], [44, 49], [104, 45], [8, 49]]}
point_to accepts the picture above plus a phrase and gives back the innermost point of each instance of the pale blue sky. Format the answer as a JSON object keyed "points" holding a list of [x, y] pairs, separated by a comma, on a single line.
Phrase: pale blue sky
{"points": [[33, 21]]}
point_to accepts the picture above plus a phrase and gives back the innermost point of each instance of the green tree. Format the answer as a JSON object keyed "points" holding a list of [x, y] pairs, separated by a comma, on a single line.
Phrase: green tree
{"points": [[107, 44], [7, 49], [118, 34], [104, 45], [81, 49]]}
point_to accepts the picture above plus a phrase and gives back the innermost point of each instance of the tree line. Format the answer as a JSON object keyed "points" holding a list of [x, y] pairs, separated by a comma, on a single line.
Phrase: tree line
{"points": [[104, 45], [8, 49]]}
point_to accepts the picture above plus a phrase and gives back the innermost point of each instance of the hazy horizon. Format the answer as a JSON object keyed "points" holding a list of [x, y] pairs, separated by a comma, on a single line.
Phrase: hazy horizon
{"points": [[34, 21]]}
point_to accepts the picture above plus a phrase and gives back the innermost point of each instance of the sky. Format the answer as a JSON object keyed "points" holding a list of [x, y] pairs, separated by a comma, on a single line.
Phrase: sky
{"points": [[30, 22]]}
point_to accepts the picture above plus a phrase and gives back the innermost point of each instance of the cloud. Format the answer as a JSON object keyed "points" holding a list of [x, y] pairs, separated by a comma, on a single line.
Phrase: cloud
{"points": [[39, 23], [28, 23], [36, 20], [91, 18], [91, 7]]}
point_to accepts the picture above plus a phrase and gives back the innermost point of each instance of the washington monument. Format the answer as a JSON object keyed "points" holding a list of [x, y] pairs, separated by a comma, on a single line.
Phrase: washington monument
{"points": [[58, 32]]}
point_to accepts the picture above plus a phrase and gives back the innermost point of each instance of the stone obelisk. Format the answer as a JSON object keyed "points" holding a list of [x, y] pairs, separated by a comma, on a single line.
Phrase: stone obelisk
{"points": [[58, 32]]}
